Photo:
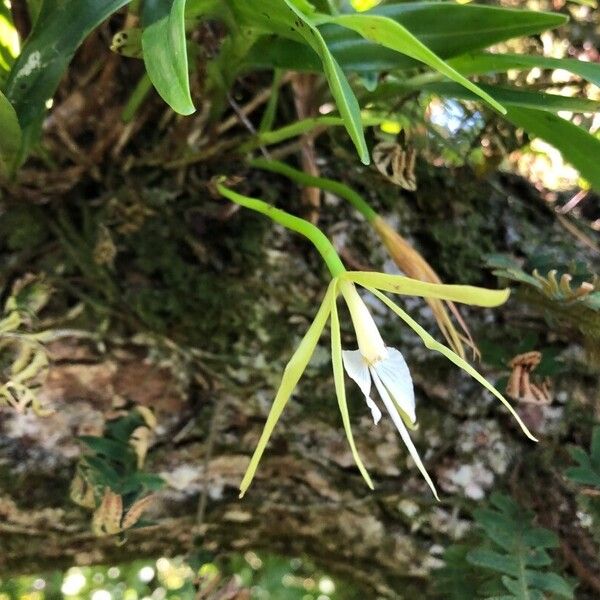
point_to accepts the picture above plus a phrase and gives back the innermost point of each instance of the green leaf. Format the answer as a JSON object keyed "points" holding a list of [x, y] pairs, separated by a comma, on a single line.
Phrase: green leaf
{"points": [[478, 63], [10, 140], [391, 34], [280, 16], [549, 582], [457, 579], [516, 97], [489, 559], [446, 28], [587, 472], [100, 472], [575, 144], [111, 449], [165, 52], [60, 28]]}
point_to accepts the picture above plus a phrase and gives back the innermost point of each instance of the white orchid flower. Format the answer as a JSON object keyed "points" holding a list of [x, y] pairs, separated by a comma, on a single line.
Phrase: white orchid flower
{"points": [[373, 361]]}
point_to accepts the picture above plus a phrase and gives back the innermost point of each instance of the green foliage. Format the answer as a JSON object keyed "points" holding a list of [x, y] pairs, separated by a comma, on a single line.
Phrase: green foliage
{"points": [[165, 52], [110, 478], [516, 551], [283, 18], [577, 145], [447, 29], [393, 38], [569, 294], [457, 579], [586, 475], [587, 471], [511, 556], [59, 29], [479, 63]]}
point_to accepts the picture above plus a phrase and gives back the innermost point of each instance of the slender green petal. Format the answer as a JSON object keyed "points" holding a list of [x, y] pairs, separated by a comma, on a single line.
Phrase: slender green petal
{"points": [[398, 284], [432, 344], [291, 375], [340, 390]]}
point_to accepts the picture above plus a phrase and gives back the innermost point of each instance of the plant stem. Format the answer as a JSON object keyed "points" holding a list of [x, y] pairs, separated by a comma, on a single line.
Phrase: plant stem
{"points": [[275, 136], [335, 187], [308, 230]]}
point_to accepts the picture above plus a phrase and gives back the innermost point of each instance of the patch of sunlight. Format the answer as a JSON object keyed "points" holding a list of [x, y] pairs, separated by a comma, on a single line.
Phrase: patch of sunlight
{"points": [[362, 5], [73, 582]]}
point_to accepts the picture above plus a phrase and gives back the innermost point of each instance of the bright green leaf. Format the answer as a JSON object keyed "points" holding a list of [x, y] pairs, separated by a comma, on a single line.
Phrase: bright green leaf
{"points": [[282, 17], [446, 28], [165, 52], [391, 34], [516, 97], [575, 144], [478, 63]]}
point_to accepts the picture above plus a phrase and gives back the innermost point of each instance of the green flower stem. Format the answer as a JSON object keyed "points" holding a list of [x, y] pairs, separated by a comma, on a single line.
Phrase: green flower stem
{"points": [[308, 230], [339, 189], [266, 138]]}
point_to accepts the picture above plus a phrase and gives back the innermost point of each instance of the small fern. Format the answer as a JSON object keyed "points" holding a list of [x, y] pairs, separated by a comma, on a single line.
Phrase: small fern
{"points": [[516, 551], [457, 579], [568, 295]]}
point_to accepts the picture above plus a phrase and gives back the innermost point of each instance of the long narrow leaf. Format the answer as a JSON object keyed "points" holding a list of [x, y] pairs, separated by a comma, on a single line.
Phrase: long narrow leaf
{"points": [[517, 97], [477, 63], [575, 144], [284, 18], [391, 34], [446, 28]]}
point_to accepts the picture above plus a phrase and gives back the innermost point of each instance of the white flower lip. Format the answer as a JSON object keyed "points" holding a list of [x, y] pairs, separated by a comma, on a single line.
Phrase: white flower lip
{"points": [[391, 372], [394, 385]]}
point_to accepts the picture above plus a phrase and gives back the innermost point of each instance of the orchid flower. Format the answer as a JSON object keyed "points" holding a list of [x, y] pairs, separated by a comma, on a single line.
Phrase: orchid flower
{"points": [[373, 362]]}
